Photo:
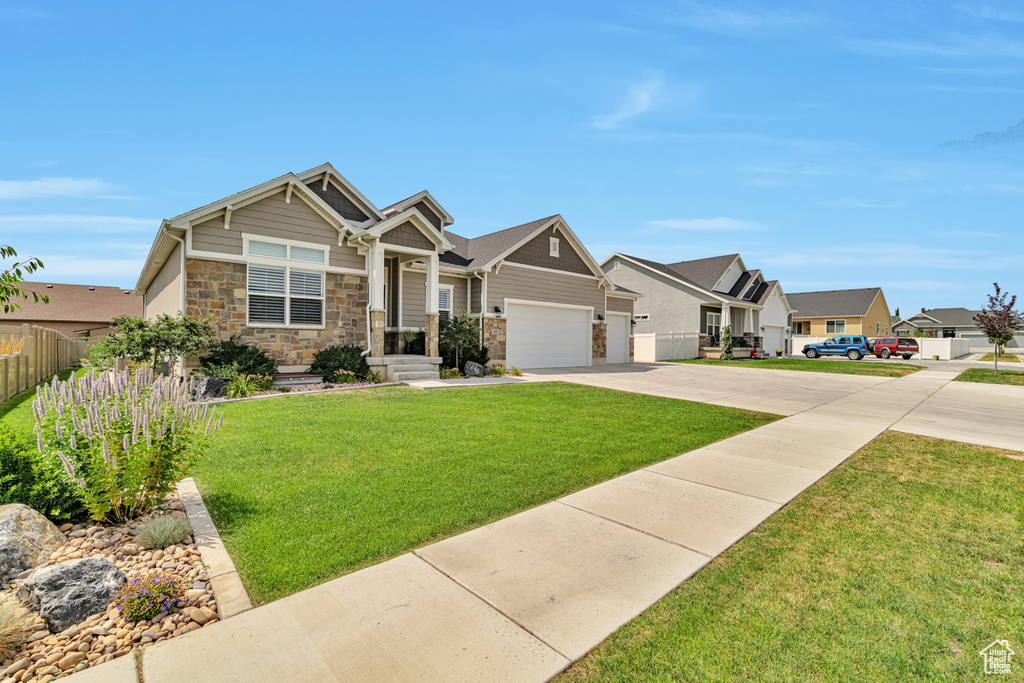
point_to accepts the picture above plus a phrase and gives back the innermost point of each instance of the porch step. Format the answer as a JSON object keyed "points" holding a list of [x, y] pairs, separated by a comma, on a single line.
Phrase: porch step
{"points": [[407, 376], [413, 367]]}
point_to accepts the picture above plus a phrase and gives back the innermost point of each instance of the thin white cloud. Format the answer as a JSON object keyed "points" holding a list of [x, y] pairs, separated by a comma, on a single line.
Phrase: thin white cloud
{"points": [[895, 255], [959, 46], [1010, 134], [993, 13], [53, 187], [706, 224], [71, 268], [640, 98], [94, 224], [746, 21], [853, 203]]}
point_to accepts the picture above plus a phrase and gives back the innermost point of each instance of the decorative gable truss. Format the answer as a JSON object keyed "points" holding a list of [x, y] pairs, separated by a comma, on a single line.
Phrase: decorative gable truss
{"points": [[552, 233]]}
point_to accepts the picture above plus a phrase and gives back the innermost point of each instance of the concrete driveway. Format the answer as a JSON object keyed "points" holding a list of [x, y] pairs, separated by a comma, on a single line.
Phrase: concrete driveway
{"points": [[781, 392]]}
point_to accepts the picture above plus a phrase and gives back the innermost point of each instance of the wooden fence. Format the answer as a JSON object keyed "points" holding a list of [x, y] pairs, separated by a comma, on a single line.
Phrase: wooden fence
{"points": [[43, 353]]}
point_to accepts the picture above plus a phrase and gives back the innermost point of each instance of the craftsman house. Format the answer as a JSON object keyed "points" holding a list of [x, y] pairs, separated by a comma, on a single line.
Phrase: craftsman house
{"points": [[305, 261]]}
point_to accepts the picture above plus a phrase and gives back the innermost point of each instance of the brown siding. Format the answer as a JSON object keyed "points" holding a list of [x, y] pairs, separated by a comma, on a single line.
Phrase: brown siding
{"points": [[414, 299], [407, 235], [337, 200], [537, 251], [539, 285], [164, 293], [428, 213], [620, 305], [272, 217]]}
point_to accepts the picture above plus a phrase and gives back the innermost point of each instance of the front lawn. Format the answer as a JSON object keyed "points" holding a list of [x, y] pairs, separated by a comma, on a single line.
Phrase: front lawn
{"points": [[16, 411], [839, 367], [307, 488], [989, 376], [1003, 357], [902, 563]]}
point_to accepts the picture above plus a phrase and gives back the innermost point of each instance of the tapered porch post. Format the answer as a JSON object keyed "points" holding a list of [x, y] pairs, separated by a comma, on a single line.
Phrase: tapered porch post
{"points": [[431, 310], [377, 300]]}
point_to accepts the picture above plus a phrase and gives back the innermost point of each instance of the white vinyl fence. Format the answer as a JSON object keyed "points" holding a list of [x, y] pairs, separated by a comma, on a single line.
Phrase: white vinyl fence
{"points": [[651, 347], [43, 353], [945, 349], [980, 344]]}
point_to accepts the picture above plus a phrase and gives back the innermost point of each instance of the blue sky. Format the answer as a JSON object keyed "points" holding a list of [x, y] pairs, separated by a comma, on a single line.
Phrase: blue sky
{"points": [[832, 144]]}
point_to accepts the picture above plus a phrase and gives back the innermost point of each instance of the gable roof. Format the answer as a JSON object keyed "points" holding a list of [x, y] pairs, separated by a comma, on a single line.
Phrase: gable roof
{"points": [[72, 303], [343, 182], [957, 317], [706, 272], [399, 206], [838, 302]]}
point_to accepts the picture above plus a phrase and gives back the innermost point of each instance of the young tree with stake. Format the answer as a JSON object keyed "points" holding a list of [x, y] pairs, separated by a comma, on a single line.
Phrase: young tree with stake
{"points": [[999, 321]]}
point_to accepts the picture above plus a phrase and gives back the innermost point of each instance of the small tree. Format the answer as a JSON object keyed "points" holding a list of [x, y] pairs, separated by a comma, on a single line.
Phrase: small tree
{"points": [[999, 321], [458, 334], [154, 341], [727, 342], [898, 313], [11, 279]]}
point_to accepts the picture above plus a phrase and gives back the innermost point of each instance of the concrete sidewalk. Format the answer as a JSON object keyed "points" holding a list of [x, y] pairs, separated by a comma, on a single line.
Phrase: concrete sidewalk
{"points": [[521, 598]]}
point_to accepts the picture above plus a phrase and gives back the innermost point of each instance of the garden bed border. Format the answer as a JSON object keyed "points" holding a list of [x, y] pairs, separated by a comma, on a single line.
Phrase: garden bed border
{"points": [[228, 590], [218, 401]]}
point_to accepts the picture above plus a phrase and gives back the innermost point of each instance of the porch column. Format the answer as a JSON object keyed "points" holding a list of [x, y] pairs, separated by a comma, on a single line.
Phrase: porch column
{"points": [[431, 332], [726, 315], [377, 322]]}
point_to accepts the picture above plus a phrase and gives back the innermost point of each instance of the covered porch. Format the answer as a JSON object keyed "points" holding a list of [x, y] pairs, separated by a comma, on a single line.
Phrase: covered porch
{"points": [[745, 322]]}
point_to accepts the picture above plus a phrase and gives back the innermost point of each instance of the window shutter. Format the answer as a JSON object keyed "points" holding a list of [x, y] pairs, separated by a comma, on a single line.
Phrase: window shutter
{"points": [[266, 279], [268, 310], [307, 312]]}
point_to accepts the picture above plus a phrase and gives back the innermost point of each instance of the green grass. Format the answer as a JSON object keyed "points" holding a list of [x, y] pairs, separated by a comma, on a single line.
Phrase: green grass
{"points": [[901, 564], [1003, 357], [307, 488], [989, 376], [16, 411], [838, 367]]}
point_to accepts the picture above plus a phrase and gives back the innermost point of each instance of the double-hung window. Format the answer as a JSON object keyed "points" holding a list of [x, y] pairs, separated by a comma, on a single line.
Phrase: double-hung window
{"points": [[714, 324], [835, 326], [289, 294]]}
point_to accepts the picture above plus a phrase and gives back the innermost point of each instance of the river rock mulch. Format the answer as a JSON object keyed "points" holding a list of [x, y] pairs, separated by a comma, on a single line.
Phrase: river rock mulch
{"points": [[105, 636]]}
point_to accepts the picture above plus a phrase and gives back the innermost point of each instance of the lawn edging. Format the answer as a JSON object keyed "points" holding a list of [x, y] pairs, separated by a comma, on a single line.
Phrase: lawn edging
{"points": [[232, 599], [302, 393]]}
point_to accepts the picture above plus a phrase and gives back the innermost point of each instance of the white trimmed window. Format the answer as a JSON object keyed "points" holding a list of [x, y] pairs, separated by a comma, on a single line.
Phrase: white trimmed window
{"points": [[798, 328], [283, 295], [445, 294], [553, 246], [714, 324], [835, 327]]}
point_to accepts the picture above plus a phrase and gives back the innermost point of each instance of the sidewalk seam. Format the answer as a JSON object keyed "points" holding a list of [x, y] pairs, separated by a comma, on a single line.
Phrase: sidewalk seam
{"points": [[641, 531]]}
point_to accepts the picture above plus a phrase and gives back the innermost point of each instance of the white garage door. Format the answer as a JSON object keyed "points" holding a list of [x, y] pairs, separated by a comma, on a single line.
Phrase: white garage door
{"points": [[618, 338], [540, 336], [773, 339]]}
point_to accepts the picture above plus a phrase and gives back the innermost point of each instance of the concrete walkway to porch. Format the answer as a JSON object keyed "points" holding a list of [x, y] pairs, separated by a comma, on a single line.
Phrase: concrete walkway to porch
{"points": [[519, 599]]}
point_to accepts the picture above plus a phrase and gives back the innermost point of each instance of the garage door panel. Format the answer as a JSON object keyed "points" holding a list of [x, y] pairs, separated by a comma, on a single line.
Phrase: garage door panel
{"points": [[618, 339], [541, 336]]}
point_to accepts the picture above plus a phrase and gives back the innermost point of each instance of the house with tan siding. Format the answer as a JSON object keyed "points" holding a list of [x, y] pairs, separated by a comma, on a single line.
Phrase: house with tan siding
{"points": [[841, 311], [306, 261]]}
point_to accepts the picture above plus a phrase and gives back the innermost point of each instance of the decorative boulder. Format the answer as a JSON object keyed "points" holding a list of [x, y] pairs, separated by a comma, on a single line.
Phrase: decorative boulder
{"points": [[475, 369], [68, 593], [26, 540], [207, 387]]}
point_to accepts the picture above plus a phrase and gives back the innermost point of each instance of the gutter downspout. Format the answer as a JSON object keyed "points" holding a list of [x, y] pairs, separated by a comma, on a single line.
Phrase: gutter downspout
{"points": [[369, 291], [181, 242], [483, 301]]}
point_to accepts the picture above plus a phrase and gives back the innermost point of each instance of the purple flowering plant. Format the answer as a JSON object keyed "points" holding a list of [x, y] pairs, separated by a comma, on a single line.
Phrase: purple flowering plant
{"points": [[142, 599], [122, 439]]}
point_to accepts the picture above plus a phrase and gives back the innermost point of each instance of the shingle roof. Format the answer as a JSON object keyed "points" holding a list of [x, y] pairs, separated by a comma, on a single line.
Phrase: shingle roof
{"points": [[710, 270], [956, 317], [75, 303], [706, 272], [850, 302], [480, 250]]}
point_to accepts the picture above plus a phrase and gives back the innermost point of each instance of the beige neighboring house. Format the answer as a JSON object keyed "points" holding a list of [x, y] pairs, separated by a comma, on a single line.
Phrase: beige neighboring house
{"points": [[306, 261], [74, 310], [841, 311]]}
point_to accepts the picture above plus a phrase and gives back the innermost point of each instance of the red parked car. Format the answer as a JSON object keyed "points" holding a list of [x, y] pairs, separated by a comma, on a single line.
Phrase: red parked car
{"points": [[895, 346]]}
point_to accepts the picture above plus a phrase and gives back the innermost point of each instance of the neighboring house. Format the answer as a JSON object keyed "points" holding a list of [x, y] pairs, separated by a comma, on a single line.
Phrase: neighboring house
{"points": [[939, 322], [702, 296], [74, 310], [306, 261], [841, 311]]}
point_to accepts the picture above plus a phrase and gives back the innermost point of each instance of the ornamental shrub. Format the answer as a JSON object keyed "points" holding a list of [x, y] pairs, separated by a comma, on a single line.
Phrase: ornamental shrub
{"points": [[727, 342], [329, 361], [242, 385], [27, 479], [497, 371], [514, 371], [449, 373], [163, 532], [143, 598], [121, 440], [231, 356]]}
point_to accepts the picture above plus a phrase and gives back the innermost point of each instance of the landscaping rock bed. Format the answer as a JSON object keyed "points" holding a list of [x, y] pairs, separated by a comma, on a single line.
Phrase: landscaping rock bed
{"points": [[106, 635]]}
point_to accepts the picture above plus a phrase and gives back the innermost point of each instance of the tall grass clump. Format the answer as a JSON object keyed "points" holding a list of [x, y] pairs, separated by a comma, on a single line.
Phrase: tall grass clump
{"points": [[123, 439], [16, 625], [163, 532]]}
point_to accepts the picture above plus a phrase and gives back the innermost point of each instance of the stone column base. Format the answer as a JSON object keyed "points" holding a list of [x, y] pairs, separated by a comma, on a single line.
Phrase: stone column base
{"points": [[432, 337], [494, 339], [599, 344], [377, 334]]}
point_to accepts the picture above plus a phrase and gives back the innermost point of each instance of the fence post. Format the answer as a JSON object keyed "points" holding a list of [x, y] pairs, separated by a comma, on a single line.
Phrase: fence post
{"points": [[3, 378]]}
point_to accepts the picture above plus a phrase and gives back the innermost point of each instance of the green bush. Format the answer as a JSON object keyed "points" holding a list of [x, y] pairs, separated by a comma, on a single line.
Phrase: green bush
{"points": [[143, 598], [122, 440], [497, 371], [28, 479], [514, 371], [329, 361], [449, 373], [242, 385], [231, 356], [374, 377], [163, 532]]}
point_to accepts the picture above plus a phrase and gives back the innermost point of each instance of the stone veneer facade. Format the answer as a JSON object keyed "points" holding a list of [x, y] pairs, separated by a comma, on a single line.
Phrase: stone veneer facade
{"points": [[217, 289], [377, 325], [432, 335], [599, 344], [494, 338]]}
